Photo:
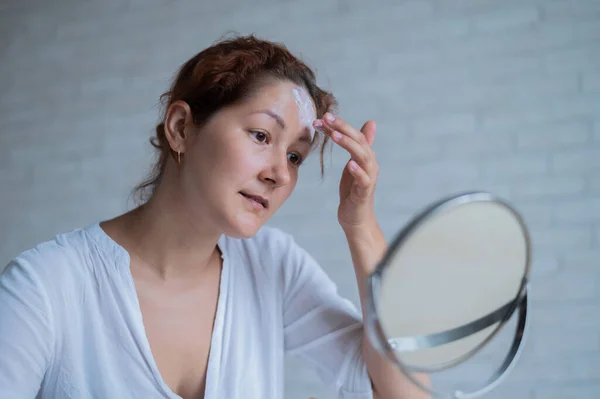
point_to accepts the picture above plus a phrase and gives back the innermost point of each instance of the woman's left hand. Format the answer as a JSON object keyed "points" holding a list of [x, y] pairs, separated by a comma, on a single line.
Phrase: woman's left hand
{"points": [[357, 185]]}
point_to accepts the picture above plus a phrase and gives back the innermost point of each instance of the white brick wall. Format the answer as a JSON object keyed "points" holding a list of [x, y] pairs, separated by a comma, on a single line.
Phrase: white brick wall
{"points": [[490, 94]]}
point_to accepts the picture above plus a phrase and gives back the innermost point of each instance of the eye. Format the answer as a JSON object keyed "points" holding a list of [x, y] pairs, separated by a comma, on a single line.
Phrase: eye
{"points": [[259, 136], [295, 159]]}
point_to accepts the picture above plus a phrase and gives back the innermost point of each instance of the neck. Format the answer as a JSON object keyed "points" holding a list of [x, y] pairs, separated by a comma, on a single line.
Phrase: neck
{"points": [[170, 243]]}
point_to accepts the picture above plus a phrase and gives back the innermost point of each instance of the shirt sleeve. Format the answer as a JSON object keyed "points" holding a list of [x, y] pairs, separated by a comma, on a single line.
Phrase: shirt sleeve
{"points": [[322, 327], [26, 333]]}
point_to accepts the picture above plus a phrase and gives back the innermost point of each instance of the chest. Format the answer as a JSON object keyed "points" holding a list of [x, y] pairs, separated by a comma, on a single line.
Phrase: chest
{"points": [[179, 327]]}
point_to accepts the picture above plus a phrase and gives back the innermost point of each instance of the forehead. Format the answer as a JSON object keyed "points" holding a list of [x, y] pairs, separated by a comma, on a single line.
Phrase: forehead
{"points": [[283, 97]]}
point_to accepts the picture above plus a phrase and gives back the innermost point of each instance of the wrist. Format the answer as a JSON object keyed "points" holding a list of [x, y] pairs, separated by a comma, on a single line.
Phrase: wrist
{"points": [[367, 244], [364, 232]]}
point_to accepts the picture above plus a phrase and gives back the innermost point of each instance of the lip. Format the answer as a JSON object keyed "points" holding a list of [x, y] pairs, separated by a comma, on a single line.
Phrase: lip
{"points": [[262, 201]]}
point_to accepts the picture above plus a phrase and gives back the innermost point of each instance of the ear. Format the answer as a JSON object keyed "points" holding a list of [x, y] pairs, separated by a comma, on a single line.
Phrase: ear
{"points": [[177, 117]]}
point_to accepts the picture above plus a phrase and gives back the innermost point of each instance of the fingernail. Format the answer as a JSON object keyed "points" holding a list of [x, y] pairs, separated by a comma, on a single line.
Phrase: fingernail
{"points": [[318, 123], [329, 117], [337, 135]]}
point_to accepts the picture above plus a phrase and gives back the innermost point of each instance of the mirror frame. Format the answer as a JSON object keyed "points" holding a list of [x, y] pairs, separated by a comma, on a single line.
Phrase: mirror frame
{"points": [[383, 345]]}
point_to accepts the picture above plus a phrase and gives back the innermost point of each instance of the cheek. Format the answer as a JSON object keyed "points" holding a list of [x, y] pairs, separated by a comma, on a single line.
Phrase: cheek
{"points": [[227, 156], [244, 161]]}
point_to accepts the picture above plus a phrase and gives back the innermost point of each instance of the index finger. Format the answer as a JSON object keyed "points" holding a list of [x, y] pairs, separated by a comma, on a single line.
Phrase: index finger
{"points": [[336, 123]]}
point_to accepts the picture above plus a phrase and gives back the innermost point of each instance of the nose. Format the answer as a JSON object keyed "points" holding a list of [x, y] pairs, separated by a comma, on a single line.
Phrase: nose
{"points": [[277, 172]]}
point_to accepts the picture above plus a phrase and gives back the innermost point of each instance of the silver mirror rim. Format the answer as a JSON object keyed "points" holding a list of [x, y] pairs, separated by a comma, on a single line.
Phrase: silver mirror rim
{"points": [[374, 329]]}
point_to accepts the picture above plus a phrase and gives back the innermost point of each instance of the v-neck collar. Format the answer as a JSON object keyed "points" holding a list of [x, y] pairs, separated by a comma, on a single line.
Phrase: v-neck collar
{"points": [[122, 265]]}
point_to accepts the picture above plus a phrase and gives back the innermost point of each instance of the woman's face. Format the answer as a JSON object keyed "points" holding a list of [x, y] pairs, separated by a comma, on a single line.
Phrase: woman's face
{"points": [[243, 164]]}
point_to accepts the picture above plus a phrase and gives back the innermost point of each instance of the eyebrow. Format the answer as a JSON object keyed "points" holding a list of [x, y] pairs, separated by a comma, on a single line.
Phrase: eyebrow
{"points": [[304, 138], [273, 115]]}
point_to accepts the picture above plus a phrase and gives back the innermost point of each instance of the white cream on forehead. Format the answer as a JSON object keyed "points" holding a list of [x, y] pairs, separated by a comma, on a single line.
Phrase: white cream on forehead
{"points": [[305, 109]]}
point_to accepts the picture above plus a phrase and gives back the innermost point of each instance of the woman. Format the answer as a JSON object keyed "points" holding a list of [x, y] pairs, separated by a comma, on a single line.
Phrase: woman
{"points": [[189, 295]]}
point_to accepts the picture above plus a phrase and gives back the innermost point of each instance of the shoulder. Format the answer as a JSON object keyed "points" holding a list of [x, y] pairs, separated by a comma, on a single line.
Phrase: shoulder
{"points": [[54, 255], [275, 254], [53, 264], [270, 253]]}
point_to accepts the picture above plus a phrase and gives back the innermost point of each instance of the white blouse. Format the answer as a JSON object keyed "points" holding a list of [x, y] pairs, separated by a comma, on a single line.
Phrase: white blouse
{"points": [[71, 326]]}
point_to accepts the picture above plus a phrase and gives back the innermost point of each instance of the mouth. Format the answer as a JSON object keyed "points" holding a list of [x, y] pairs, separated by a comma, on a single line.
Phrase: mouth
{"points": [[257, 199]]}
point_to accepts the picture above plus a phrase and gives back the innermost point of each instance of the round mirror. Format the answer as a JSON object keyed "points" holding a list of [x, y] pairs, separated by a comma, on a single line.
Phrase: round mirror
{"points": [[450, 282]]}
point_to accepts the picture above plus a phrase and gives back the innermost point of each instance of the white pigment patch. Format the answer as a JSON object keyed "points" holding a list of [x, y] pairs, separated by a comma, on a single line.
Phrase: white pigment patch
{"points": [[305, 109]]}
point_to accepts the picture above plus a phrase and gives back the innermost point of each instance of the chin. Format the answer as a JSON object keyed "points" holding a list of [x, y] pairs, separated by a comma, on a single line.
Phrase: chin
{"points": [[244, 227]]}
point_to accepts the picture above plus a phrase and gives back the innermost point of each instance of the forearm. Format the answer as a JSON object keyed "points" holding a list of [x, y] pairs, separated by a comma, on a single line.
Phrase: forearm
{"points": [[367, 247]]}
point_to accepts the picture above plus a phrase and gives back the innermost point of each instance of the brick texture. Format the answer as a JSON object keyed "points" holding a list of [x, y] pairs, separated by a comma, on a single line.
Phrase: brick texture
{"points": [[500, 95]]}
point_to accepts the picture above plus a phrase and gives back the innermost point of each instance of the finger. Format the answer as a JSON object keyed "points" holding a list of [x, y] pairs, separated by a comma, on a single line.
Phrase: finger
{"points": [[320, 125], [361, 153], [368, 130], [337, 123], [361, 178]]}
